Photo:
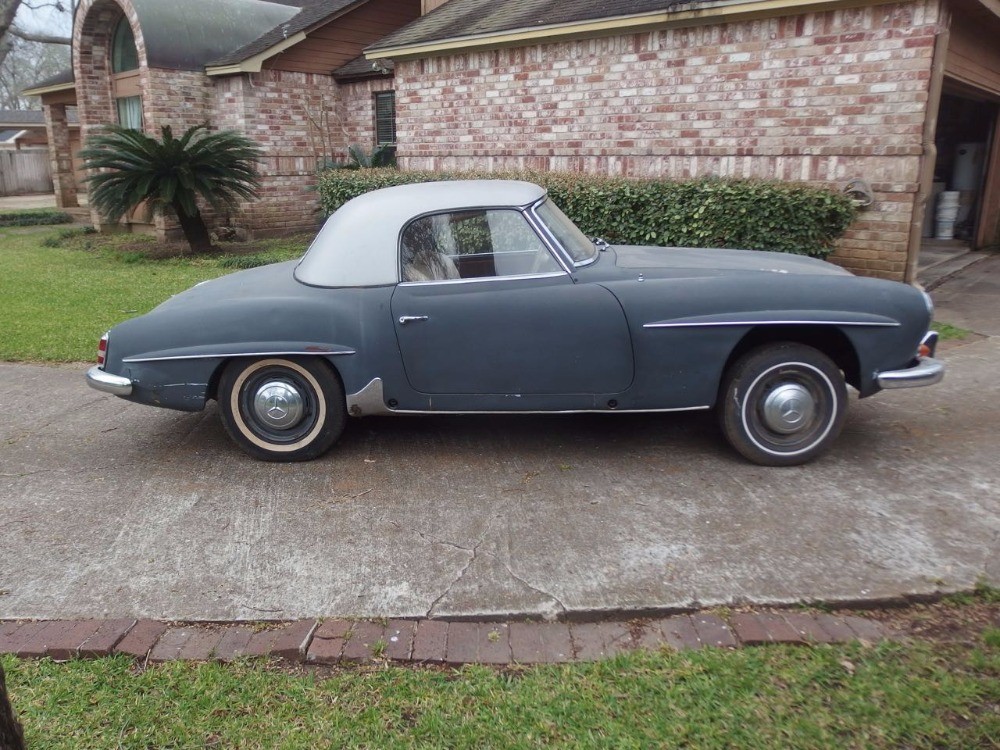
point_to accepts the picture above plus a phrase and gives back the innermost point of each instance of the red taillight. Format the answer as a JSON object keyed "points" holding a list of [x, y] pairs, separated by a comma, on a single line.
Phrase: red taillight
{"points": [[924, 351], [102, 350]]}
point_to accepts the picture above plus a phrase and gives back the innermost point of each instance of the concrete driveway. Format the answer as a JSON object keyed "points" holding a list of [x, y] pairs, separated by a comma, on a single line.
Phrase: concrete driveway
{"points": [[111, 509]]}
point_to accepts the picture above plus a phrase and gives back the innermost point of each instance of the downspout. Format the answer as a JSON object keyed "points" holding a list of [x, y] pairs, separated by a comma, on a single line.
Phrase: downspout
{"points": [[928, 150]]}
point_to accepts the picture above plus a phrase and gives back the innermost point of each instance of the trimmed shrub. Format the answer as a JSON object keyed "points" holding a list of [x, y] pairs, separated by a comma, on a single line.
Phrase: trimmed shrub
{"points": [[708, 212], [34, 218]]}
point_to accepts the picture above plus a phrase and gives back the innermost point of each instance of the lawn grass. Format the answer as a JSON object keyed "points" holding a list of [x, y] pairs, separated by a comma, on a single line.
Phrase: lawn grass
{"points": [[62, 289], [918, 695], [948, 332]]}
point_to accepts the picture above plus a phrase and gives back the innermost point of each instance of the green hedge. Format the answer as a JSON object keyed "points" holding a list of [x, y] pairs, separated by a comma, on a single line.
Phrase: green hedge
{"points": [[35, 217], [751, 214]]}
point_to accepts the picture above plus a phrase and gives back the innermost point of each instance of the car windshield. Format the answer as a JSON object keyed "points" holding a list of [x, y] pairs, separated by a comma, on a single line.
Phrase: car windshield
{"points": [[575, 242]]}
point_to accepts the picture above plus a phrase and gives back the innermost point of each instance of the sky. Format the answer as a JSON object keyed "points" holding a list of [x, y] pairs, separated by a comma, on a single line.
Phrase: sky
{"points": [[44, 20]]}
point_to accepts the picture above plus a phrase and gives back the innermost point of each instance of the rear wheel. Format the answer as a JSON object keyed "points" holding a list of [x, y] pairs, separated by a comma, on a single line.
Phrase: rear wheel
{"points": [[782, 404], [282, 409]]}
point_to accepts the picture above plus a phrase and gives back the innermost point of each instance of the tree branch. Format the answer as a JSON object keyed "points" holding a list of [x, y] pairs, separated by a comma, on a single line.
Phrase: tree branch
{"points": [[42, 38]]}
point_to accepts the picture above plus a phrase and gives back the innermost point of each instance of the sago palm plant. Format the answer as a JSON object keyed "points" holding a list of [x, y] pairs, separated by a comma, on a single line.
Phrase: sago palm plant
{"points": [[129, 167]]}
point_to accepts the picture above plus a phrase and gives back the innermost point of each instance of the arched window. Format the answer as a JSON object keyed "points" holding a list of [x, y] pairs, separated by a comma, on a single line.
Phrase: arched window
{"points": [[125, 74], [124, 56]]}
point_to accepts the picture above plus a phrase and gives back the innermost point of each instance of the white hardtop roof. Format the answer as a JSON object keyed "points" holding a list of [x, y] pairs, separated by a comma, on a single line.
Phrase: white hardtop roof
{"points": [[358, 245]]}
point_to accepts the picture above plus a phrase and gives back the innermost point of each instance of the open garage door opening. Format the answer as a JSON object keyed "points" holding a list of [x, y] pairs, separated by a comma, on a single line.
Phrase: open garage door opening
{"points": [[960, 216]]}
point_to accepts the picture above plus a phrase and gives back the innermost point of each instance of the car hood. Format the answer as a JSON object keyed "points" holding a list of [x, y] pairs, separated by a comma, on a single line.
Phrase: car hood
{"points": [[698, 261]]}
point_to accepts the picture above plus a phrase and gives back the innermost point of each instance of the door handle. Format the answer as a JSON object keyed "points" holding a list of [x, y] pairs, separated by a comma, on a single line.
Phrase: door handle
{"points": [[404, 319]]}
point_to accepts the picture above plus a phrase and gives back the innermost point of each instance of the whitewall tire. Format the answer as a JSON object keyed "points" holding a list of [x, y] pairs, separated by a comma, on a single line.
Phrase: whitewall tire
{"points": [[282, 409], [782, 404]]}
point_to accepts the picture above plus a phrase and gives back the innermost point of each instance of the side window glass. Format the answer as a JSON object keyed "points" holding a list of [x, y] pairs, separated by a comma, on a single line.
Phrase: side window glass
{"points": [[472, 244]]}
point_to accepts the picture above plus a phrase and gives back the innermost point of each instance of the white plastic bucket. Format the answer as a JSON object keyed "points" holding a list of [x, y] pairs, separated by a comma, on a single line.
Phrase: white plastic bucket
{"points": [[947, 212], [945, 229]]}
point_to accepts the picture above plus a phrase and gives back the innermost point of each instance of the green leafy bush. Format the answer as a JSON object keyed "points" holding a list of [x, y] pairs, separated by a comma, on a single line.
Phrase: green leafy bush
{"points": [[707, 212], [33, 218]]}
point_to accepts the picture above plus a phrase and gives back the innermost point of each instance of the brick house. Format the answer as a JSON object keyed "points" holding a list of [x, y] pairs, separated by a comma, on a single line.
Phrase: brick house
{"points": [[270, 69], [888, 92], [820, 91]]}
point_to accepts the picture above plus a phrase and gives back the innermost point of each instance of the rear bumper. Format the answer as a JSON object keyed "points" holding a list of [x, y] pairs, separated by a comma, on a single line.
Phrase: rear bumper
{"points": [[108, 383]]}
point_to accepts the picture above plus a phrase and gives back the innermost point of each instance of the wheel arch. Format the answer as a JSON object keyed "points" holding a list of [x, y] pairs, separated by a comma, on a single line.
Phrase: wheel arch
{"points": [[829, 339], [212, 391]]}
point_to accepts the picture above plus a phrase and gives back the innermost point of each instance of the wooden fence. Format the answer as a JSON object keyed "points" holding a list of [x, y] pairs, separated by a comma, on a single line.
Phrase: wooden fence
{"points": [[26, 171]]}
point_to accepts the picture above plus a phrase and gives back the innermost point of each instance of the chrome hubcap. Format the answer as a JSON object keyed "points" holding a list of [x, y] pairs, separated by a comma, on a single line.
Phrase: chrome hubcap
{"points": [[278, 405], [788, 408]]}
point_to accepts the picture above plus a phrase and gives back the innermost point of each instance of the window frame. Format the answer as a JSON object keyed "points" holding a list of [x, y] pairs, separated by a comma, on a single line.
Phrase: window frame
{"points": [[116, 51], [121, 100], [529, 219], [375, 116]]}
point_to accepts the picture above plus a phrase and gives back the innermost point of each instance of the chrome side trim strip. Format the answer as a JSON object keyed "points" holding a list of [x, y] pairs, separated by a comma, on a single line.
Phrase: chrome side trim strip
{"points": [[370, 401], [239, 354], [100, 380], [731, 323], [554, 411]]}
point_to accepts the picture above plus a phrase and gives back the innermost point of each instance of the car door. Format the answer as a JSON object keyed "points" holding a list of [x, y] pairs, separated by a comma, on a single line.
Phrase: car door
{"points": [[484, 308]]}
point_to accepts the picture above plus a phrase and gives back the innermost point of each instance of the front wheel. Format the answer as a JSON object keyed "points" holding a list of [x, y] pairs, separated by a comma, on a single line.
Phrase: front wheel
{"points": [[282, 409], [782, 404]]}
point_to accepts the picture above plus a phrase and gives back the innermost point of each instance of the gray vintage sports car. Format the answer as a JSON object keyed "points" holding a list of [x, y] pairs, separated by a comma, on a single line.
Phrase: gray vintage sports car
{"points": [[482, 297]]}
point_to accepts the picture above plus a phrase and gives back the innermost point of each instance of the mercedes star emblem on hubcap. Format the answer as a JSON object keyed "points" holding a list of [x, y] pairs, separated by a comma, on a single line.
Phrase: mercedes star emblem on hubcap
{"points": [[278, 404]]}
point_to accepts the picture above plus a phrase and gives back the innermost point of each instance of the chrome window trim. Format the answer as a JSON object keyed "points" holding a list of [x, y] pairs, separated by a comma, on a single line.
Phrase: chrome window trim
{"points": [[563, 254], [722, 323], [239, 354], [482, 279], [555, 248], [519, 209]]}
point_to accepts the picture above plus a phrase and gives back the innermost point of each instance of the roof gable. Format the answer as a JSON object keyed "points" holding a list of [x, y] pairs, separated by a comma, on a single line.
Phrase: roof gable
{"points": [[306, 18]]}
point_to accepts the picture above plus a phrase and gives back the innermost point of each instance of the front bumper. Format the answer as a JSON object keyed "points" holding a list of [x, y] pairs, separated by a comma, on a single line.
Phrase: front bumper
{"points": [[926, 371], [108, 383]]}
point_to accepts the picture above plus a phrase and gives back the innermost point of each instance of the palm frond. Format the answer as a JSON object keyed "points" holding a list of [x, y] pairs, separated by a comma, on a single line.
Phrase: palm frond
{"points": [[130, 167]]}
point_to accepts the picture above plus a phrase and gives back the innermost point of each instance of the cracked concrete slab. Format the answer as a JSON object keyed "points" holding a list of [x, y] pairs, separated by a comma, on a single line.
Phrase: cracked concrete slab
{"points": [[110, 509]]}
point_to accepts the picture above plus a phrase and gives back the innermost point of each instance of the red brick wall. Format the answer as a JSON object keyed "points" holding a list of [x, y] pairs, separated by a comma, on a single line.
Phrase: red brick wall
{"points": [[357, 109], [820, 97], [178, 98], [293, 117]]}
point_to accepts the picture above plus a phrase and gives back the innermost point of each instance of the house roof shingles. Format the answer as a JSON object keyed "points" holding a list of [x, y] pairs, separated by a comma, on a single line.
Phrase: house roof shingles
{"points": [[187, 34], [462, 18], [362, 67], [31, 118], [21, 117], [310, 14]]}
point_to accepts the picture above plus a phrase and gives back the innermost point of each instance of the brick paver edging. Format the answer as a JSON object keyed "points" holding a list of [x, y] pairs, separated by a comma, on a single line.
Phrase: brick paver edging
{"points": [[423, 641]]}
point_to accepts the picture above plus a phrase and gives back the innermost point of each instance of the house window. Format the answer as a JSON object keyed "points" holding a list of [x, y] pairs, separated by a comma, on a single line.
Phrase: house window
{"points": [[125, 76], [385, 118], [124, 55], [130, 112]]}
